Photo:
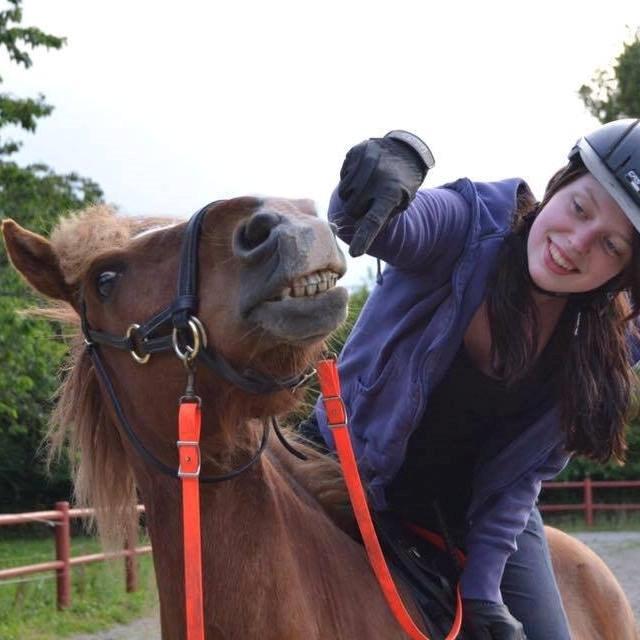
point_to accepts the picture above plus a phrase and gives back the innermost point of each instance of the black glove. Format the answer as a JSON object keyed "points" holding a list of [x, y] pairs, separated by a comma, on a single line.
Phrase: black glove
{"points": [[484, 620], [379, 178]]}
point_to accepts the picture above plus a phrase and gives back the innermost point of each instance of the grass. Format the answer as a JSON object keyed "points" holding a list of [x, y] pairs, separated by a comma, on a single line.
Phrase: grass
{"points": [[602, 521], [98, 598]]}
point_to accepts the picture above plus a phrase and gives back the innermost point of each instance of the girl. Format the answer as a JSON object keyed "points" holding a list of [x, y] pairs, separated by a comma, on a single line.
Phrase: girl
{"points": [[493, 349]]}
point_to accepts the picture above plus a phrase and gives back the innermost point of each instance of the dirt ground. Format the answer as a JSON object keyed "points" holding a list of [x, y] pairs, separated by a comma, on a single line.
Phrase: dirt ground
{"points": [[619, 549]]}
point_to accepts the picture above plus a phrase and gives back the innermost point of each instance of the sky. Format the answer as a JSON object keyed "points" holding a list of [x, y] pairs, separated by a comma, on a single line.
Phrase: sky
{"points": [[171, 105]]}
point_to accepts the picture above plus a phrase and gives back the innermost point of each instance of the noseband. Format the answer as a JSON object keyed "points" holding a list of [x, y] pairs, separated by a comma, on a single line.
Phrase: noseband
{"points": [[188, 340]]}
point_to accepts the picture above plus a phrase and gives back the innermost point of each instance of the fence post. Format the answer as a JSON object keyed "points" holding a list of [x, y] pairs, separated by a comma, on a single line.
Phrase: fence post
{"points": [[63, 553], [131, 565], [588, 501]]}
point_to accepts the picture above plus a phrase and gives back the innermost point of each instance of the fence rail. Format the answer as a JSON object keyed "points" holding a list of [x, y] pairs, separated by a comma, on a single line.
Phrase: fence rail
{"points": [[61, 519], [62, 516], [588, 506]]}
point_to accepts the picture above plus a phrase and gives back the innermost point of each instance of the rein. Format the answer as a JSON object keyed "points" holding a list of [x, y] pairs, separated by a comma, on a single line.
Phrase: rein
{"points": [[337, 421]]}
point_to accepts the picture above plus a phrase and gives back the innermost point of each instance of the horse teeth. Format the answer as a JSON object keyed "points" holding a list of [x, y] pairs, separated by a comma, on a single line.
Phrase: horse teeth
{"points": [[286, 292], [313, 283]]}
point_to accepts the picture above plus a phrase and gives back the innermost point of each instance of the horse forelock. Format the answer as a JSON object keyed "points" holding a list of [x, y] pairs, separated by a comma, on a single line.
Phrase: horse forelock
{"points": [[82, 236]]}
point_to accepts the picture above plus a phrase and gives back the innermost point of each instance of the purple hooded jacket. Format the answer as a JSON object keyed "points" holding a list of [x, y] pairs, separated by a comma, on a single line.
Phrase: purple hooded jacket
{"points": [[440, 253]]}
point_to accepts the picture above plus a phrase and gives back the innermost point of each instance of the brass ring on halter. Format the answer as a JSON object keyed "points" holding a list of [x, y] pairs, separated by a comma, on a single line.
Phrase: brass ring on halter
{"points": [[203, 333], [138, 358], [199, 339]]}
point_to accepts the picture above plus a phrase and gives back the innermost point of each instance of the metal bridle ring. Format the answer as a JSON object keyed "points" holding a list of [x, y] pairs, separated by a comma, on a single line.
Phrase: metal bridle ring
{"points": [[138, 358], [199, 339]]}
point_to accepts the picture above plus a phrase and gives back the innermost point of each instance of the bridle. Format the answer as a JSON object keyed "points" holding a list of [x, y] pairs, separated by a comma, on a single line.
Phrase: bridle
{"points": [[187, 338]]}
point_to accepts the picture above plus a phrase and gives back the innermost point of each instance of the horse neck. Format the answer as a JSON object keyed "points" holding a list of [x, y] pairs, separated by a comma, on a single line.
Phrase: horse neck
{"points": [[274, 565]]}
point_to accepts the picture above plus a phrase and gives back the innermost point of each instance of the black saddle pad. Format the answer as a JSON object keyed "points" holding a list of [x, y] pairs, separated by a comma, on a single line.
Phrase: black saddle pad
{"points": [[430, 573]]}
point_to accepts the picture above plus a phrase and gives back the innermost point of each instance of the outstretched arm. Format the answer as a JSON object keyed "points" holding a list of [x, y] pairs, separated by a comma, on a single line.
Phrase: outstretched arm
{"points": [[436, 221]]}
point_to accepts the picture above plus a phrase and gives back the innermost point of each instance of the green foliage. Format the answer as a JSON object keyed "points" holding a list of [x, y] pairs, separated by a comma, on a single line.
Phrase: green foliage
{"points": [[29, 356], [356, 302], [579, 468], [35, 196], [30, 349], [23, 113], [615, 93]]}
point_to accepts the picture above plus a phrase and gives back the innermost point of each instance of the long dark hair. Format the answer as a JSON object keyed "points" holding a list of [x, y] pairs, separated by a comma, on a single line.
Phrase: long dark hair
{"points": [[597, 381]]}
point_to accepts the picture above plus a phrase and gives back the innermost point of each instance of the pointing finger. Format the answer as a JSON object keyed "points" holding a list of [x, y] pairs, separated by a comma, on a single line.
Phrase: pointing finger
{"points": [[370, 225]]}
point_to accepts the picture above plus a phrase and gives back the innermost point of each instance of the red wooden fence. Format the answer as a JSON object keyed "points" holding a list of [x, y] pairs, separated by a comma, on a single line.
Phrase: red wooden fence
{"points": [[61, 518], [588, 506], [64, 561]]}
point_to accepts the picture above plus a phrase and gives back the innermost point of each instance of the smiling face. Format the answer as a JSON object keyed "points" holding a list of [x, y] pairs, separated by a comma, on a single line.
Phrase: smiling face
{"points": [[580, 240]]}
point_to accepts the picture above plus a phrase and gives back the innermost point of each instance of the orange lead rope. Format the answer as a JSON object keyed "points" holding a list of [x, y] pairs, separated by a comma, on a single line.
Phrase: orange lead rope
{"points": [[189, 473], [337, 420]]}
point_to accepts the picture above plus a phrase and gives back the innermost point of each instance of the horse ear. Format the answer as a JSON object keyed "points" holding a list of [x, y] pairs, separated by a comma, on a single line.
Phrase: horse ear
{"points": [[36, 261]]}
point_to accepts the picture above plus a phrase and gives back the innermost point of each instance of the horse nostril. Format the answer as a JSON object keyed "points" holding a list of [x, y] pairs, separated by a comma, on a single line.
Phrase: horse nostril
{"points": [[257, 230]]}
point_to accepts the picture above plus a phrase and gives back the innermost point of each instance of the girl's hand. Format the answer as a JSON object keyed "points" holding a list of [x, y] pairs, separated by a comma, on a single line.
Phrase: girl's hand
{"points": [[379, 178], [484, 620]]}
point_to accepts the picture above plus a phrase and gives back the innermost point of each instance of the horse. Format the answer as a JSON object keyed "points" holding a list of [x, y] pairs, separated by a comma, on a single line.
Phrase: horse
{"points": [[279, 554]]}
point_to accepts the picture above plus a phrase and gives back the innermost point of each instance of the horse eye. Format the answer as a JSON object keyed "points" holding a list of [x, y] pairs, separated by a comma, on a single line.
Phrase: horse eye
{"points": [[105, 283]]}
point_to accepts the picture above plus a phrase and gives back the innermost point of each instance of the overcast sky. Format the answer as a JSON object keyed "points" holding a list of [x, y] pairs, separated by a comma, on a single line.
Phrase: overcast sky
{"points": [[169, 105]]}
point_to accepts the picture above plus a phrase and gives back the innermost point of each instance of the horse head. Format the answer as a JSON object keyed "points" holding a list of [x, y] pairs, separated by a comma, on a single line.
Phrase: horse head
{"points": [[266, 272]]}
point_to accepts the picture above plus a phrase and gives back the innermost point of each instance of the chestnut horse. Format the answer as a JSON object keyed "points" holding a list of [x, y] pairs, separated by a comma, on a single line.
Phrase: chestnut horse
{"points": [[278, 560]]}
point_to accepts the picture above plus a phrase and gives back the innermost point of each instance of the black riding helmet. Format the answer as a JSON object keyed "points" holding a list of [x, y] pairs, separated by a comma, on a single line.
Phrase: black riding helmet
{"points": [[612, 155]]}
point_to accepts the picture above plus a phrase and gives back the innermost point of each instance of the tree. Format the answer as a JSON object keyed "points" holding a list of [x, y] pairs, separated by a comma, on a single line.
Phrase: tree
{"points": [[21, 112], [30, 349], [615, 93]]}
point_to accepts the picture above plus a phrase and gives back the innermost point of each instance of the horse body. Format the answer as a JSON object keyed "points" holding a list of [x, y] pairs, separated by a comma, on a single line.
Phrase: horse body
{"points": [[592, 597], [275, 563], [275, 567]]}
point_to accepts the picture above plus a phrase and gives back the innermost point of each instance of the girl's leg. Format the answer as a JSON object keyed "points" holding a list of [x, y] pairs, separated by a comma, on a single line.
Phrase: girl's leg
{"points": [[529, 587]]}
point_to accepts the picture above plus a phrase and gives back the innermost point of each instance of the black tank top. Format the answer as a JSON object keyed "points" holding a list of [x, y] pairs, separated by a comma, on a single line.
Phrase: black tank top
{"points": [[470, 417]]}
